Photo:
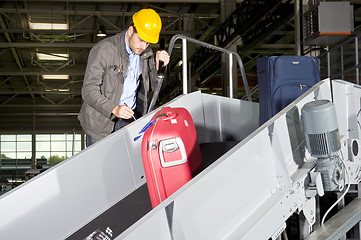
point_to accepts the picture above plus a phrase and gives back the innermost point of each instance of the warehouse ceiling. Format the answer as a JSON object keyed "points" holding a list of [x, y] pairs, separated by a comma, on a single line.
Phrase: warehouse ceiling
{"points": [[42, 70]]}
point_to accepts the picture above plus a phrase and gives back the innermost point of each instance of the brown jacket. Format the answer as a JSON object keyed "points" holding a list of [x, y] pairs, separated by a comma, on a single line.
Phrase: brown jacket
{"points": [[103, 84]]}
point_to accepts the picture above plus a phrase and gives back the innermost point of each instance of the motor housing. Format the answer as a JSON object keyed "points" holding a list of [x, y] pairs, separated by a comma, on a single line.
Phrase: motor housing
{"points": [[323, 141]]}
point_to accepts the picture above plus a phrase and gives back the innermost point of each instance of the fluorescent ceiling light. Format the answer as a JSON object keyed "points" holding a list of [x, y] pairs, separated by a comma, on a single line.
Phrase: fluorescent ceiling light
{"points": [[179, 63], [63, 89], [53, 26], [57, 77], [101, 31], [57, 90], [53, 56]]}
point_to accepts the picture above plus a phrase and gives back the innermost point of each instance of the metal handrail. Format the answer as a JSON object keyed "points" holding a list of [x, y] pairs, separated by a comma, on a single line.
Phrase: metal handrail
{"points": [[341, 48], [204, 44], [184, 64]]}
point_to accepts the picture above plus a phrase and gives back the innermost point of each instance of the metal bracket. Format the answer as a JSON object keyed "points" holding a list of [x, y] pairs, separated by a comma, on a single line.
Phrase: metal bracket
{"points": [[315, 186]]}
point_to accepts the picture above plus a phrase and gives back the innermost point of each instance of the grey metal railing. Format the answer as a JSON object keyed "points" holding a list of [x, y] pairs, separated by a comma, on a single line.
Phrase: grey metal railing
{"points": [[342, 61], [184, 67], [204, 44]]}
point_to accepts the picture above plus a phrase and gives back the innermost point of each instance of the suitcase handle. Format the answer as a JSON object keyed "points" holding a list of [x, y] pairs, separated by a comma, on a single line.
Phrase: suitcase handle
{"points": [[167, 115], [171, 145]]}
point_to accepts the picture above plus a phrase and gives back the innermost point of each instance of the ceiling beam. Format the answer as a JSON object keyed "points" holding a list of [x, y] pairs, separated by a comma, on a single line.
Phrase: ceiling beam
{"points": [[40, 106], [14, 72], [16, 55], [104, 13], [83, 31], [41, 114], [276, 46], [62, 44], [45, 45], [19, 92]]}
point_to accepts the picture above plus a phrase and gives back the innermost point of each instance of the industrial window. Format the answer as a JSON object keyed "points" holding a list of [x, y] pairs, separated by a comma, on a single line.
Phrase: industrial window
{"points": [[15, 156], [57, 147], [15, 146], [50, 149]]}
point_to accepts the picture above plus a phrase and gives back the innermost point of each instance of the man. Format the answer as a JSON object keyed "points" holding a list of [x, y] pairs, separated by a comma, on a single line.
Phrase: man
{"points": [[120, 76]]}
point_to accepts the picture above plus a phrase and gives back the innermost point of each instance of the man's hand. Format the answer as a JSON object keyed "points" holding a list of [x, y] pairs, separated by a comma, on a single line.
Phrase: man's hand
{"points": [[123, 112], [162, 56]]}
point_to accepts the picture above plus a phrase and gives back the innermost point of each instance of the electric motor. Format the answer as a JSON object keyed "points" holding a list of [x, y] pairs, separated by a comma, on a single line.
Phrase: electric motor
{"points": [[323, 141], [321, 128]]}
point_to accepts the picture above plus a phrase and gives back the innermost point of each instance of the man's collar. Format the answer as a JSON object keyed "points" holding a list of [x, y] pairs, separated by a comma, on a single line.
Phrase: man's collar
{"points": [[130, 52]]}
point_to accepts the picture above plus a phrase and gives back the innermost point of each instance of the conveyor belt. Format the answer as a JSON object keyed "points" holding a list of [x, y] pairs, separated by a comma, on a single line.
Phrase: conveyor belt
{"points": [[120, 216]]}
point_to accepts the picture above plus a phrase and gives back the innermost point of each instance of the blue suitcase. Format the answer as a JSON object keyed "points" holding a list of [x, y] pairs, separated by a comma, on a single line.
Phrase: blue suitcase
{"points": [[282, 79]]}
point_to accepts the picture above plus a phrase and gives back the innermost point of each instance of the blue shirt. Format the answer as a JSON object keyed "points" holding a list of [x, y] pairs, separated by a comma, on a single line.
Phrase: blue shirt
{"points": [[131, 81]]}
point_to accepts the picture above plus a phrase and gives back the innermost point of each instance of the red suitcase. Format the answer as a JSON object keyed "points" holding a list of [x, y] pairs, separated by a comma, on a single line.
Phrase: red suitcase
{"points": [[170, 152]]}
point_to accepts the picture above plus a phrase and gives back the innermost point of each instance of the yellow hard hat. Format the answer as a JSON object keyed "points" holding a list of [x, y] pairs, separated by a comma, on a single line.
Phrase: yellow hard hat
{"points": [[148, 25]]}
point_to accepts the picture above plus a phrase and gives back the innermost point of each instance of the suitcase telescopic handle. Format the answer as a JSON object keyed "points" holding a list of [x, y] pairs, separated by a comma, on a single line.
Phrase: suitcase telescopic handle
{"points": [[167, 115], [171, 145]]}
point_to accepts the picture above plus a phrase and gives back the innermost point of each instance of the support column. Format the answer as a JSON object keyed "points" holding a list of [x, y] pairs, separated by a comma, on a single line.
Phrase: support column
{"points": [[33, 144], [82, 140], [227, 7], [189, 28], [298, 6], [297, 27]]}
